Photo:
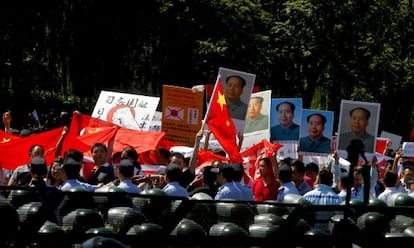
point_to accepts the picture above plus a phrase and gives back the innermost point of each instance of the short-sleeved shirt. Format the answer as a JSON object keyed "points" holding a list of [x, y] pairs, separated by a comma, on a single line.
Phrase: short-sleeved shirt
{"points": [[104, 174], [175, 189], [264, 192], [229, 191], [129, 186], [303, 187], [74, 183], [21, 175], [245, 191], [285, 189]]}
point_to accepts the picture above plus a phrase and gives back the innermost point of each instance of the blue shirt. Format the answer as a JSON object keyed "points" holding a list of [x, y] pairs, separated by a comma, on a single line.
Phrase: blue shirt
{"points": [[229, 191], [280, 133], [303, 187], [321, 145], [74, 183], [246, 192], [284, 189], [175, 189], [323, 195], [129, 186]]}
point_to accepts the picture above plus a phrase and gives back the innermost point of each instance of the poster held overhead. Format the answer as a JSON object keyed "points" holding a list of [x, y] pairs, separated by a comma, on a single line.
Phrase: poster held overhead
{"points": [[358, 121]]}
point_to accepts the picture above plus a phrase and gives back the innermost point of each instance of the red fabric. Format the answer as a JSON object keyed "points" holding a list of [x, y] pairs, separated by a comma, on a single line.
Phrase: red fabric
{"points": [[81, 121], [260, 150], [309, 181], [89, 130], [221, 124], [7, 137], [381, 145], [205, 158], [262, 192], [15, 152], [142, 141], [412, 134]]}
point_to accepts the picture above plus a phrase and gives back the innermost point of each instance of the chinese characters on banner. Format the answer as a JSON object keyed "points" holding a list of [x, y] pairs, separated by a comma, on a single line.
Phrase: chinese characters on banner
{"points": [[182, 113], [126, 110]]}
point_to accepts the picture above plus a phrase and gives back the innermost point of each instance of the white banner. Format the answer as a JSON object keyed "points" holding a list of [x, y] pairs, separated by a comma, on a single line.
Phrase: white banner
{"points": [[126, 110]]}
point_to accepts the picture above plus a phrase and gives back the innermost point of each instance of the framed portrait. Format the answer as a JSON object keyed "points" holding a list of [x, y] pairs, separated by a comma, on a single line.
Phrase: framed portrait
{"points": [[257, 120], [316, 132], [358, 121], [238, 87], [285, 119]]}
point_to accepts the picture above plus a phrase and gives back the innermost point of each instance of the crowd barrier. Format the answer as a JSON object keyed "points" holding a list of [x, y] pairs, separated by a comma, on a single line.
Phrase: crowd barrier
{"points": [[83, 219]]}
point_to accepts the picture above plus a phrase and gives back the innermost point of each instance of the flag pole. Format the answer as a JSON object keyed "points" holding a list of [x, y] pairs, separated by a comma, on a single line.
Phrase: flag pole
{"points": [[200, 133]]}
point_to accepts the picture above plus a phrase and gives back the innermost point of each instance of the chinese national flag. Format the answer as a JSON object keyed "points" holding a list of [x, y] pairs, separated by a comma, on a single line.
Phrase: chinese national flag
{"points": [[205, 158], [221, 124], [15, 151]]}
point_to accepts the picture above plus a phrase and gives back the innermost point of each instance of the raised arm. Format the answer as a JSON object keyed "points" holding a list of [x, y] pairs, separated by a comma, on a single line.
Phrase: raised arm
{"points": [[59, 144], [193, 160]]}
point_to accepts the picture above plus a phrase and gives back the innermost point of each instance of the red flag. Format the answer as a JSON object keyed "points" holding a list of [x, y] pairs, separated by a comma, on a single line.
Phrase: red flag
{"points": [[15, 152], [260, 150], [221, 124], [205, 158], [142, 141], [89, 130], [81, 121], [7, 137]]}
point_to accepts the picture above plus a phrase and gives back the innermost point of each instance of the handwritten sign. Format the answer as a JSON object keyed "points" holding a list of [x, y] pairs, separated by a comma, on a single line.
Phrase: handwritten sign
{"points": [[126, 110]]}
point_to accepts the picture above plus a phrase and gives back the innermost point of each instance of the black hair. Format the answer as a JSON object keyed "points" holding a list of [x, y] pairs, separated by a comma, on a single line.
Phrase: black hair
{"points": [[242, 80], [312, 166], [164, 152], [366, 112], [325, 177], [99, 145], [75, 154], [390, 178], [131, 153], [292, 106], [300, 166], [320, 115]]}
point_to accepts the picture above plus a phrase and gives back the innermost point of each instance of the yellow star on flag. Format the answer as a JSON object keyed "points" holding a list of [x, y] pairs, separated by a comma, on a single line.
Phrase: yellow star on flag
{"points": [[221, 100], [5, 140]]}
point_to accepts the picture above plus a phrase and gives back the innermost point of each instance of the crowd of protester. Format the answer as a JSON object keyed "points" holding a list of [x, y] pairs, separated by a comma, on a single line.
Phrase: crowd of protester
{"points": [[276, 180]]}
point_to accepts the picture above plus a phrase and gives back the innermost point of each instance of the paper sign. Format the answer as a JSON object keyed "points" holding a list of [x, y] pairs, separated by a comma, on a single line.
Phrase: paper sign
{"points": [[126, 110], [182, 113]]}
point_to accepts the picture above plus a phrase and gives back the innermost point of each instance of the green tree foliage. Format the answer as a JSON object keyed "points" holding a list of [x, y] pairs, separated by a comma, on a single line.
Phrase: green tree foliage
{"points": [[66, 52]]}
